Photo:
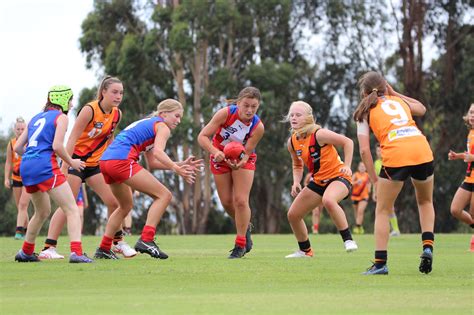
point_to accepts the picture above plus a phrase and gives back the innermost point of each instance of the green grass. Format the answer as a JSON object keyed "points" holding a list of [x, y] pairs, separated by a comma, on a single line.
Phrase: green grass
{"points": [[198, 279]]}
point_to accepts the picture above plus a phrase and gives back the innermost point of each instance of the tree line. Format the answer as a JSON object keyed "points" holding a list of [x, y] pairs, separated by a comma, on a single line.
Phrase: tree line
{"points": [[204, 52]]}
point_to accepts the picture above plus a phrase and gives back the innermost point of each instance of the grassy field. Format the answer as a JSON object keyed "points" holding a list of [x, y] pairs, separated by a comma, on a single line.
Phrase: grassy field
{"points": [[198, 279]]}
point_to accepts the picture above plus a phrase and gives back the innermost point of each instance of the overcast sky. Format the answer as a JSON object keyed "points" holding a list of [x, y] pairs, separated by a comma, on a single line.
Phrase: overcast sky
{"points": [[40, 48]]}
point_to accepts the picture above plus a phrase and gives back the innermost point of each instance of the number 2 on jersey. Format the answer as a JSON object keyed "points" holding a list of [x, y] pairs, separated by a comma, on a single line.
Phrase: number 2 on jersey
{"points": [[41, 122]]}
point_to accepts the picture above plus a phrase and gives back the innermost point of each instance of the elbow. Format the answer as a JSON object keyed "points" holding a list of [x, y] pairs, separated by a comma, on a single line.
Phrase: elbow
{"points": [[56, 146]]}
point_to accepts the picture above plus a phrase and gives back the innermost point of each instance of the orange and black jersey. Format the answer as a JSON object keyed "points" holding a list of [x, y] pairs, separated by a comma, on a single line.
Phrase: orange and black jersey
{"points": [[97, 135], [16, 160], [323, 162], [470, 166], [360, 186]]}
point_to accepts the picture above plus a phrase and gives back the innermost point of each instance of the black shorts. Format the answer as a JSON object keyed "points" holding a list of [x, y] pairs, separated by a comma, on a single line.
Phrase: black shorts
{"points": [[321, 189], [356, 202], [17, 183], [418, 172], [467, 186], [87, 172]]}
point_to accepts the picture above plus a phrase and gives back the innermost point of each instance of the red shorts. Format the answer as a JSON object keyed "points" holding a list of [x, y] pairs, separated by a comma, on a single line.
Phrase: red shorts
{"points": [[55, 181], [222, 167], [118, 171]]}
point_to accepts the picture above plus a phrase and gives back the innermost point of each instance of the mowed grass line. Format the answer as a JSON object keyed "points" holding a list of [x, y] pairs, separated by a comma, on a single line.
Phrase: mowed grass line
{"points": [[198, 279]]}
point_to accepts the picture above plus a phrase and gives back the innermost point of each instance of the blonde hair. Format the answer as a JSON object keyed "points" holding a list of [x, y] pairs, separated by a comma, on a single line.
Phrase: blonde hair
{"points": [[466, 117], [20, 120], [104, 85], [371, 86], [309, 126], [165, 106]]}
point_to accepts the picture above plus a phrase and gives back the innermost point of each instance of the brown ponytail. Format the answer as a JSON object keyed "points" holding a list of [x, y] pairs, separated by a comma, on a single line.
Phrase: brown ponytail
{"points": [[371, 86]]}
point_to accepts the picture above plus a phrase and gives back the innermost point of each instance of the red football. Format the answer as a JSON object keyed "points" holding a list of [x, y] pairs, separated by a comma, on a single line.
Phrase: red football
{"points": [[234, 151]]}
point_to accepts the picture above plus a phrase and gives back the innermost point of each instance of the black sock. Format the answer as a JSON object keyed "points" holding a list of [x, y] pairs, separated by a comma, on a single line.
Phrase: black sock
{"points": [[50, 243], [305, 246], [380, 258], [428, 240], [20, 230], [345, 234], [118, 237]]}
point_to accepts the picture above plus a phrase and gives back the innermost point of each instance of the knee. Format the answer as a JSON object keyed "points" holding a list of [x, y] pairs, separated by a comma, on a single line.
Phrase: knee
{"points": [[167, 196], [329, 203], [112, 204], [455, 212], [292, 216], [241, 203], [42, 214]]}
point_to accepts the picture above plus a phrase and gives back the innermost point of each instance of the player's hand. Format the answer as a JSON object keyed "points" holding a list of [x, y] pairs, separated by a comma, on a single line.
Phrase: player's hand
{"points": [[191, 161], [235, 164], [389, 88], [186, 172], [77, 164], [219, 156], [346, 170], [374, 192], [7, 183], [295, 189], [452, 155]]}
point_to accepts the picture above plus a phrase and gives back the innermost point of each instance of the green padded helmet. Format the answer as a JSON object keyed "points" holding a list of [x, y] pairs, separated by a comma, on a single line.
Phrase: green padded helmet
{"points": [[60, 95]]}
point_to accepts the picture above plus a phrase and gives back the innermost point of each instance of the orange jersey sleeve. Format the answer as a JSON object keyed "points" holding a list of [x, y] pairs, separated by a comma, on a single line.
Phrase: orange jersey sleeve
{"points": [[322, 161], [401, 142], [470, 166], [360, 187], [16, 160], [97, 135]]}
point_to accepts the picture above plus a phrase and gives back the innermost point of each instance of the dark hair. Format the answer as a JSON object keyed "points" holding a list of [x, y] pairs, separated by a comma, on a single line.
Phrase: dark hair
{"points": [[51, 105], [104, 85], [249, 92], [371, 86]]}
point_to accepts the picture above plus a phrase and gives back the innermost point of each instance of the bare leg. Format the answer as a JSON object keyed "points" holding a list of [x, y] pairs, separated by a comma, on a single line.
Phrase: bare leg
{"points": [[387, 192], [224, 186], [303, 203], [461, 199], [242, 180]]}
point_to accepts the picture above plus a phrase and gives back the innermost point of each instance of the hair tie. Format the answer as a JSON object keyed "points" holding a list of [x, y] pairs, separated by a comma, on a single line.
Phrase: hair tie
{"points": [[375, 90]]}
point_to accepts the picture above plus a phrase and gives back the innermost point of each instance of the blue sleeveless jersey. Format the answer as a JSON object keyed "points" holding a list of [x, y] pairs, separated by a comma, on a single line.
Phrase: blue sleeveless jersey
{"points": [[130, 142], [39, 159]]}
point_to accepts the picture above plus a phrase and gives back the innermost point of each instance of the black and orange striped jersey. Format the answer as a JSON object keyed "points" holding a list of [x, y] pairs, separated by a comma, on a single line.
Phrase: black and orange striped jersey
{"points": [[323, 162], [470, 166], [16, 160], [97, 135]]}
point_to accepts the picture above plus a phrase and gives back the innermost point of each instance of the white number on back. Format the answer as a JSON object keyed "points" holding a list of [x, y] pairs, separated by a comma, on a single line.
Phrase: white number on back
{"points": [[393, 108], [41, 122]]}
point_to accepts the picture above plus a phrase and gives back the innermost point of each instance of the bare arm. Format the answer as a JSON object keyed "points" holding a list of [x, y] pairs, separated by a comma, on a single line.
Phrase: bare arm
{"points": [[325, 136], [209, 130], [153, 163], [366, 155], [58, 144], [162, 136], [21, 142], [416, 107], [297, 167], [8, 165], [84, 117]]}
